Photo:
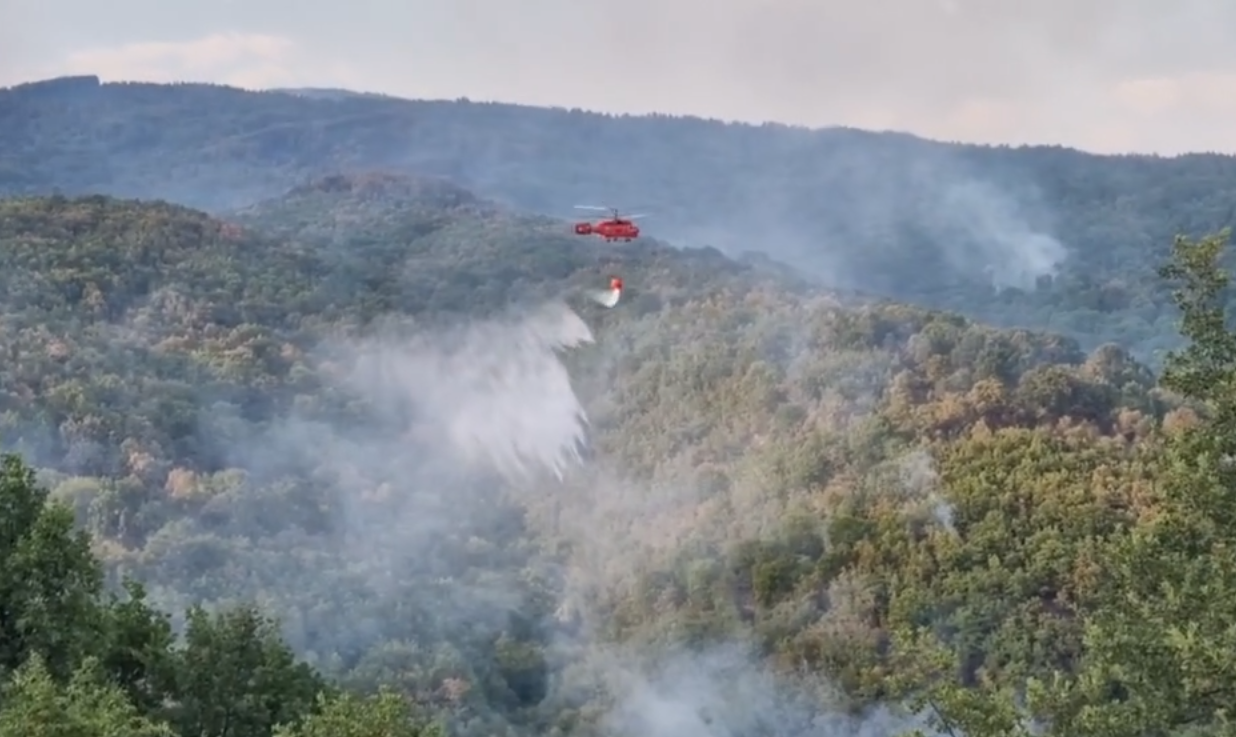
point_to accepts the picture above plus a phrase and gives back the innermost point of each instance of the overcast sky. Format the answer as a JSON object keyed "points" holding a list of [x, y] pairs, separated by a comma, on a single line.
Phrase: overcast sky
{"points": [[1102, 75]]}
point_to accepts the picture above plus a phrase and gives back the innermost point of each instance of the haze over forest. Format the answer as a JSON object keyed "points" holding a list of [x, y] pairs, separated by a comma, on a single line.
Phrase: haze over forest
{"points": [[316, 433]]}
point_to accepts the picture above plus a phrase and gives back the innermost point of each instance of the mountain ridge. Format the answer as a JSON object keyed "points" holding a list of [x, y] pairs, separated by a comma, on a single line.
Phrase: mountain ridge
{"points": [[1040, 237], [80, 82]]}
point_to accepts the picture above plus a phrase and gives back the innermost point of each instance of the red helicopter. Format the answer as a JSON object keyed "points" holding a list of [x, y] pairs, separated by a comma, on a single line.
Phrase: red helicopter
{"points": [[615, 228]]}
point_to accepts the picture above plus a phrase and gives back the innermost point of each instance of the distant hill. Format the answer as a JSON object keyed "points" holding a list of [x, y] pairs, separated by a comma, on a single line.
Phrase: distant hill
{"points": [[436, 247], [969, 228]]}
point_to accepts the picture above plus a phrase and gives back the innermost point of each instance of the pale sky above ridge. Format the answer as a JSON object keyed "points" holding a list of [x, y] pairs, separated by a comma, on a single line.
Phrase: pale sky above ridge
{"points": [[1103, 75]]}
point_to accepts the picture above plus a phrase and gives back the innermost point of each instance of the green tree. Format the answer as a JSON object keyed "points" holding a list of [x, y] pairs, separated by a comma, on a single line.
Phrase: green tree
{"points": [[386, 714], [1159, 634], [237, 678], [87, 706], [138, 653], [50, 580], [1158, 652]]}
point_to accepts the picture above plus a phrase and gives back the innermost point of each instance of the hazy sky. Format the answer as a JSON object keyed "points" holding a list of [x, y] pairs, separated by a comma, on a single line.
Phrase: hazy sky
{"points": [[1104, 75]]}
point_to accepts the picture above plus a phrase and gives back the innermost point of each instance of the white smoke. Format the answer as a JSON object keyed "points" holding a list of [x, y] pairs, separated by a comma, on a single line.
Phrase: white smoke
{"points": [[496, 391], [920, 484], [995, 234], [722, 692]]}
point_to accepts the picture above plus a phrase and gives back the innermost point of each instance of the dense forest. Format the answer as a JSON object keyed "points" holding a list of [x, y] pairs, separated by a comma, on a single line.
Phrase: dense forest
{"points": [[352, 454], [324, 466], [1035, 237]]}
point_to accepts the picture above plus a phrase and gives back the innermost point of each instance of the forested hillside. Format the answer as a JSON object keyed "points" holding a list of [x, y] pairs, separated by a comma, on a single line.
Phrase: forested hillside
{"points": [[1038, 237], [377, 409]]}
